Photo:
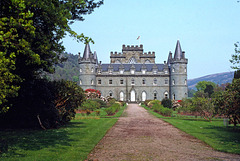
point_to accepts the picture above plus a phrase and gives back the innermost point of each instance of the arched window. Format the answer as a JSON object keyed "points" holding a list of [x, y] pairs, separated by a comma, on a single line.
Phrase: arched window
{"points": [[121, 96], [143, 81], [121, 81], [166, 81], [185, 81], [132, 82], [99, 81], [185, 70], [110, 81], [173, 69], [166, 94], [92, 70], [173, 82], [80, 82], [92, 82], [144, 96], [174, 96], [110, 93], [155, 81], [132, 60], [155, 95], [80, 70]]}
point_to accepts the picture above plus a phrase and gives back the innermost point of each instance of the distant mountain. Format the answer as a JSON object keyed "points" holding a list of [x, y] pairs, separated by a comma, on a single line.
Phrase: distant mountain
{"points": [[219, 78]]}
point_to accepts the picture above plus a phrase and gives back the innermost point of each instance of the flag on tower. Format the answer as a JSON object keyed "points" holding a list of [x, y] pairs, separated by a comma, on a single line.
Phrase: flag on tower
{"points": [[138, 37]]}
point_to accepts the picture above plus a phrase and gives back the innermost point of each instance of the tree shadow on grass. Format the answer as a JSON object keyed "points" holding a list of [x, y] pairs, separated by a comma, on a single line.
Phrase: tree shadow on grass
{"points": [[23, 140]]}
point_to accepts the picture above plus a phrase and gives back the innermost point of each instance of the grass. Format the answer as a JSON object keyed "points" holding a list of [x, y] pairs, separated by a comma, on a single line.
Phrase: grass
{"points": [[215, 134], [71, 142]]}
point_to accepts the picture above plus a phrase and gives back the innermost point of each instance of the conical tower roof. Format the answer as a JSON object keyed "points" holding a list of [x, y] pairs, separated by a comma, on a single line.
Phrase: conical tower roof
{"points": [[178, 51], [169, 58], [87, 52]]}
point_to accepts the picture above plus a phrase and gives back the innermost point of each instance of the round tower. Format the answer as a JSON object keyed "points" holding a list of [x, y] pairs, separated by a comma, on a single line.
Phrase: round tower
{"points": [[88, 63], [178, 74]]}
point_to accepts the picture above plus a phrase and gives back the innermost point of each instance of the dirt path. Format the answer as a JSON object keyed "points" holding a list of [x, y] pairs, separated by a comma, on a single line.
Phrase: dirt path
{"points": [[140, 136]]}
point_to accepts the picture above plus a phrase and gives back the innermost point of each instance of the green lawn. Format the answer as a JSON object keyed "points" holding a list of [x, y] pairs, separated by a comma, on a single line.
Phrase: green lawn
{"points": [[72, 142], [215, 134]]}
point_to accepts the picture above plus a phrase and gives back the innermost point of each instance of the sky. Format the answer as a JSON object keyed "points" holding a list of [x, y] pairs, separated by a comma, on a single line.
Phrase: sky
{"points": [[206, 29]]}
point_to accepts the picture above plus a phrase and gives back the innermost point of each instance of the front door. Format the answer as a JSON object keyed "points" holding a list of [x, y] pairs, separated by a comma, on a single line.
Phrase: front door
{"points": [[133, 96]]}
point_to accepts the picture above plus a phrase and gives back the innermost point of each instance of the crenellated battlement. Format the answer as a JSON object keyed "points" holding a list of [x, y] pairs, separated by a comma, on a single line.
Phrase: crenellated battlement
{"points": [[147, 54], [132, 48]]}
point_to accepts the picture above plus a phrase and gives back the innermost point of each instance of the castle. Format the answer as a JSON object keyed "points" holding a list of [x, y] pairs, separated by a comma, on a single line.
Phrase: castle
{"points": [[134, 76]]}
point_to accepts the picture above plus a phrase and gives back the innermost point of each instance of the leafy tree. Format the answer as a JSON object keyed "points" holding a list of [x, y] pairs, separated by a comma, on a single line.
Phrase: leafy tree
{"points": [[236, 57], [209, 90], [228, 102], [30, 38], [237, 74], [201, 86], [167, 103], [205, 89]]}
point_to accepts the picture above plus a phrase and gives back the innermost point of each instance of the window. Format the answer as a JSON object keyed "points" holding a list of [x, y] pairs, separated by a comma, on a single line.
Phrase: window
{"points": [[132, 60], [92, 70], [173, 82], [121, 81], [185, 70], [174, 96], [80, 82], [99, 71], [132, 71], [121, 71], [110, 93], [132, 82], [155, 81], [173, 69], [166, 94], [110, 81], [80, 70], [185, 82], [166, 72], [121, 96], [99, 81], [155, 95], [154, 71], [110, 71], [143, 71], [92, 82], [143, 81], [166, 81], [144, 96]]}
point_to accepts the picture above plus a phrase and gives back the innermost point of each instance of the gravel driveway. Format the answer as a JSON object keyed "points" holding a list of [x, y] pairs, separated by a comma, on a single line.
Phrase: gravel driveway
{"points": [[137, 135]]}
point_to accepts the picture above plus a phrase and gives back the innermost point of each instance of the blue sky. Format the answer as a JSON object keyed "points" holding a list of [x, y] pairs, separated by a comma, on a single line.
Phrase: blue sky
{"points": [[207, 30]]}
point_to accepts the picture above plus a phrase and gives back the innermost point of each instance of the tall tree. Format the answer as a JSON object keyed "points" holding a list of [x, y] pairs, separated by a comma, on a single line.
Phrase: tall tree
{"points": [[236, 57], [30, 38]]}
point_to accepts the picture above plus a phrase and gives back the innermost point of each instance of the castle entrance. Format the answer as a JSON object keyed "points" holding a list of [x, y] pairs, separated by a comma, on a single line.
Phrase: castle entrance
{"points": [[133, 96]]}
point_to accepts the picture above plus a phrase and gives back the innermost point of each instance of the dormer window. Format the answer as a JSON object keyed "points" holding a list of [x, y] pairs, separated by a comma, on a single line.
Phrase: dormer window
{"points": [[154, 71], [132, 71], [110, 71], [165, 72], [99, 71], [143, 71], [121, 71]]}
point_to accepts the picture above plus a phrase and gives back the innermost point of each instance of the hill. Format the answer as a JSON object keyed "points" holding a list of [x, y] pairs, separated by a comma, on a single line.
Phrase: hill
{"points": [[68, 70], [219, 78]]}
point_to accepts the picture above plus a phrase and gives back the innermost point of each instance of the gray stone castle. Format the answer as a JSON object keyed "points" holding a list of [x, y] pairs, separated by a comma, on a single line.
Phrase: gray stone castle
{"points": [[133, 75]]}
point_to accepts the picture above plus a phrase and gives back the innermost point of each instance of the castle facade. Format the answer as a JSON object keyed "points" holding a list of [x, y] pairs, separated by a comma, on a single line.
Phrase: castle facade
{"points": [[134, 76]]}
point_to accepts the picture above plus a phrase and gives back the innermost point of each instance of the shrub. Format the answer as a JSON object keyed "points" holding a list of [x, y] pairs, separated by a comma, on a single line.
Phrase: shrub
{"points": [[113, 109], [146, 102], [101, 102], [90, 105], [98, 113], [162, 110], [166, 102], [151, 103]]}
